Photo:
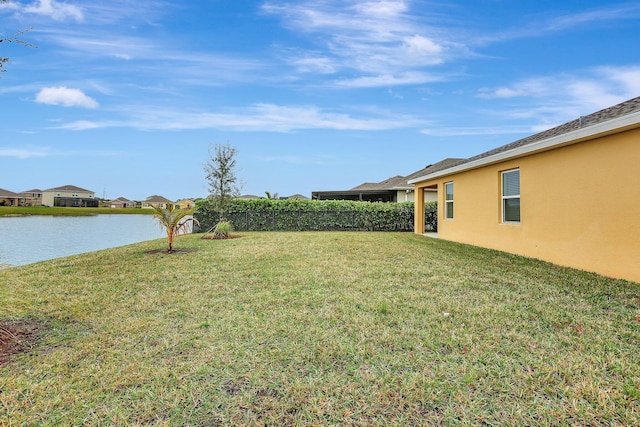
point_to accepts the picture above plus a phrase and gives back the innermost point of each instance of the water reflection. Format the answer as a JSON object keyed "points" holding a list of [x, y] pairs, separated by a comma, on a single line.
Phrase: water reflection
{"points": [[28, 239]]}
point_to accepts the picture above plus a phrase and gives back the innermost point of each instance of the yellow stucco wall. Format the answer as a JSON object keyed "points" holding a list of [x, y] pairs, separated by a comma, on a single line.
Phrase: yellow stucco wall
{"points": [[580, 206]]}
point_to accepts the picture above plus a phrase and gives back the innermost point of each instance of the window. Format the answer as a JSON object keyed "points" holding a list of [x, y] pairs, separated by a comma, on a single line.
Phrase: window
{"points": [[448, 200], [511, 196]]}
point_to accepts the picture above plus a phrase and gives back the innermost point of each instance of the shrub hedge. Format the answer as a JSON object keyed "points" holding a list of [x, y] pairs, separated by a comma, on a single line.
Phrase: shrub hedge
{"points": [[313, 215]]}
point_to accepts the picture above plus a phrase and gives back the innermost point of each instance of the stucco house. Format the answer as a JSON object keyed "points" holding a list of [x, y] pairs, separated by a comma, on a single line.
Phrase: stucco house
{"points": [[569, 195], [9, 198], [122, 202], [186, 204], [157, 201], [32, 197], [69, 196]]}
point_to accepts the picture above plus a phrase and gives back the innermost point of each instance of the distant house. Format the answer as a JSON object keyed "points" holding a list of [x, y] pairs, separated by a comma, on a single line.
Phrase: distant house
{"points": [[249, 197], [297, 197], [69, 196], [121, 202], [383, 191], [32, 197], [568, 195], [186, 204], [394, 189], [157, 201], [9, 198]]}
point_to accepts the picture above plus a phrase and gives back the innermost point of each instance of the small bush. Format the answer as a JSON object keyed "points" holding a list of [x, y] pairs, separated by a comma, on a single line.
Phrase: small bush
{"points": [[222, 230]]}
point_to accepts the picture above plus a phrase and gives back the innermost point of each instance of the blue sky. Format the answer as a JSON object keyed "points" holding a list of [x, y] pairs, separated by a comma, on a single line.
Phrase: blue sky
{"points": [[125, 98]]}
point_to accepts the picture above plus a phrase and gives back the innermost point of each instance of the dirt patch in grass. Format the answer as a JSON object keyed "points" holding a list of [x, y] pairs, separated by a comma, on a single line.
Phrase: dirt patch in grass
{"points": [[17, 337]]}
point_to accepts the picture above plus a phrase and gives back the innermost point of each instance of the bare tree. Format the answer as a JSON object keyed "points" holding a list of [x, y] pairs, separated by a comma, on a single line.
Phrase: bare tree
{"points": [[221, 176], [12, 39]]}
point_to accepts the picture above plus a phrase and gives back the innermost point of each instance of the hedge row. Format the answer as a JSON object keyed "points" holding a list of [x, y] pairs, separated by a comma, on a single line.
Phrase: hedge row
{"points": [[313, 215]]}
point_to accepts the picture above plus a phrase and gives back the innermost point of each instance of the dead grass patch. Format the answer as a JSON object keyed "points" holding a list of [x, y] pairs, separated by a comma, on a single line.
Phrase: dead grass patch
{"points": [[17, 336]]}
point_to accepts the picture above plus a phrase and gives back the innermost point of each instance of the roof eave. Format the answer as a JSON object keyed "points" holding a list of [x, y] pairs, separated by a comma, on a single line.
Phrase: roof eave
{"points": [[616, 125]]}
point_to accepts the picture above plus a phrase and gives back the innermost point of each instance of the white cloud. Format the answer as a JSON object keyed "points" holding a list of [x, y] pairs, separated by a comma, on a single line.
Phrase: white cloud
{"points": [[8, 6], [386, 80], [55, 10], [548, 101], [382, 8], [627, 78], [543, 27], [419, 45], [587, 90], [67, 97], [85, 125], [255, 118], [25, 153], [375, 38], [314, 64], [477, 130]]}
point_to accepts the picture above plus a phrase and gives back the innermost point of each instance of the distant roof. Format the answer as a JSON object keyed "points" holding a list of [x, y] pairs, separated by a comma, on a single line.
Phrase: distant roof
{"points": [[69, 188], [8, 194], [157, 199], [400, 182], [387, 184], [121, 199], [442, 164], [586, 124], [249, 197], [298, 197]]}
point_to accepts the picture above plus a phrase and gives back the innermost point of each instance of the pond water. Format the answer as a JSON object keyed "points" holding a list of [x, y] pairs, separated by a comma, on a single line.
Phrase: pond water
{"points": [[28, 239]]}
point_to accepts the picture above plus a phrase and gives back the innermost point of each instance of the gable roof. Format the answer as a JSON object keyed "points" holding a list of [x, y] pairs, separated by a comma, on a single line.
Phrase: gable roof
{"points": [[6, 194], [298, 197], [623, 116], [442, 164], [69, 188], [387, 187], [387, 184], [157, 199]]}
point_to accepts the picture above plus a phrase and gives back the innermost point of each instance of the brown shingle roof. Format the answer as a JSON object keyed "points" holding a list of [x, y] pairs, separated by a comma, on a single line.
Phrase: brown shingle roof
{"points": [[157, 199], [8, 194], [69, 188], [619, 110], [387, 184], [442, 164]]}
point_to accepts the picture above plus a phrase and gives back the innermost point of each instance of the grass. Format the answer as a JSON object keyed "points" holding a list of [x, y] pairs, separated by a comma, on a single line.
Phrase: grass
{"points": [[58, 211], [320, 329]]}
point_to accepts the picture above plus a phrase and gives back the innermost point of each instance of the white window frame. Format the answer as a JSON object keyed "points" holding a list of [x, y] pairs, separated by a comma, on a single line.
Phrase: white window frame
{"points": [[504, 197], [448, 202]]}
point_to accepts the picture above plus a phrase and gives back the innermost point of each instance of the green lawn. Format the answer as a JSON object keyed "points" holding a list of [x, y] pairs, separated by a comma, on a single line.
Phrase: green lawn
{"points": [[320, 329]]}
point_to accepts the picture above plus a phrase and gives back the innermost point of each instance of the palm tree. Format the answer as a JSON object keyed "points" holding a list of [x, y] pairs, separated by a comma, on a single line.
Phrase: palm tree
{"points": [[174, 220]]}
